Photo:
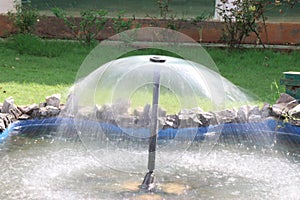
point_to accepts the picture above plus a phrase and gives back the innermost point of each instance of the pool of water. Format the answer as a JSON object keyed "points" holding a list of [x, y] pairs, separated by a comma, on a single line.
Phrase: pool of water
{"points": [[47, 167]]}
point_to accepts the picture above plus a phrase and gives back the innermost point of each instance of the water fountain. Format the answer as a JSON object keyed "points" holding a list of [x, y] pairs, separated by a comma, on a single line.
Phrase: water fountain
{"points": [[99, 147]]}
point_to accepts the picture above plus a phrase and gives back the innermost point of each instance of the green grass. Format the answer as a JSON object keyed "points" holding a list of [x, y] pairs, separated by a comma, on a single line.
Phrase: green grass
{"points": [[29, 76], [256, 70]]}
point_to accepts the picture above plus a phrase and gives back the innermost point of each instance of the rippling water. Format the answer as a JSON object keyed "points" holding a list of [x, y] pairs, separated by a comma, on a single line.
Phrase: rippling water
{"points": [[49, 168]]}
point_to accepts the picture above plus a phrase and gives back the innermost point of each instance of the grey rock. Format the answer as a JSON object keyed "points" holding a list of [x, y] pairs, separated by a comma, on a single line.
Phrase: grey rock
{"points": [[53, 100], [295, 112], [138, 112], [105, 113], [24, 117], [266, 111], [255, 118], [226, 116], [2, 125], [288, 100], [254, 114], [171, 121], [279, 109], [43, 104], [8, 103], [120, 107], [242, 114], [5, 120], [52, 111], [146, 116], [207, 118], [43, 112], [9, 107], [15, 112], [28, 109], [126, 121], [188, 122]]}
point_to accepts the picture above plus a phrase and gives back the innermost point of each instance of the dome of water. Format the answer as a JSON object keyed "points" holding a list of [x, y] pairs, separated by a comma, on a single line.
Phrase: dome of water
{"points": [[121, 93]]}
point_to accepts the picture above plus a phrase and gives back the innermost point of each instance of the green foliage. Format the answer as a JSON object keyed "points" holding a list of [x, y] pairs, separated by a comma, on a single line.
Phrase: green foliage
{"points": [[121, 24], [25, 18], [29, 44], [246, 17], [163, 6], [241, 20], [91, 22], [200, 18]]}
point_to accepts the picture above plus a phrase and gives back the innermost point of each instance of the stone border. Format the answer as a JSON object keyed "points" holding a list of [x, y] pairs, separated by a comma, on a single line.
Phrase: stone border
{"points": [[286, 108]]}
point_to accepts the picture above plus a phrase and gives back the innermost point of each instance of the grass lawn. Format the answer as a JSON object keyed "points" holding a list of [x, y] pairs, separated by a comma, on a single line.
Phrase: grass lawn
{"points": [[29, 76]]}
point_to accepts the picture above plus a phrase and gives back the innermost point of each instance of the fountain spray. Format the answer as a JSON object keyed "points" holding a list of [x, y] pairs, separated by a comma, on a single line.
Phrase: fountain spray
{"points": [[148, 182]]}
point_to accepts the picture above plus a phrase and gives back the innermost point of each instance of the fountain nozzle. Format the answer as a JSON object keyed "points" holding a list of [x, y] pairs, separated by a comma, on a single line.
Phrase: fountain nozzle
{"points": [[148, 182]]}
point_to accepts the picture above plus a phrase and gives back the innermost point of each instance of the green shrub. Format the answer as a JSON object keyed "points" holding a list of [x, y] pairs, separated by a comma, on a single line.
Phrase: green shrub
{"points": [[25, 18], [91, 22]]}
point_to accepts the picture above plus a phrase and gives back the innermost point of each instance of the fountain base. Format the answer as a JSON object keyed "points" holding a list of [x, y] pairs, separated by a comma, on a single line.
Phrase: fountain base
{"points": [[148, 182]]}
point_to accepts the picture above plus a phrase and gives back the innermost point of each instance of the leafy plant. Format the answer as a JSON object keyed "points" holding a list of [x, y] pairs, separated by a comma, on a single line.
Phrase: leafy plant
{"points": [[245, 17], [121, 23], [241, 20], [25, 18], [275, 90], [91, 22], [163, 7]]}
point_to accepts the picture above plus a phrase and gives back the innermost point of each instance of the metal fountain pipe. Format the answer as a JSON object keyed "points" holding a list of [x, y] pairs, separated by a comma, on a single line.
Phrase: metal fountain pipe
{"points": [[148, 182]]}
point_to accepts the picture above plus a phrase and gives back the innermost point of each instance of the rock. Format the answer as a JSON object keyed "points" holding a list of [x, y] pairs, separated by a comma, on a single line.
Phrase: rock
{"points": [[105, 113], [242, 114], [138, 112], [5, 120], [254, 118], [42, 112], [28, 109], [266, 111], [52, 111], [254, 114], [120, 107], [24, 117], [9, 107], [53, 100], [15, 112], [287, 99], [145, 119], [295, 112], [8, 103], [43, 104], [2, 125], [279, 109], [207, 118], [126, 121], [226, 116], [171, 121], [188, 120]]}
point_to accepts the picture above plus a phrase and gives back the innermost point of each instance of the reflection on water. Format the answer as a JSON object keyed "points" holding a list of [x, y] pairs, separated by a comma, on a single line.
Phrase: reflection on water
{"points": [[49, 168]]}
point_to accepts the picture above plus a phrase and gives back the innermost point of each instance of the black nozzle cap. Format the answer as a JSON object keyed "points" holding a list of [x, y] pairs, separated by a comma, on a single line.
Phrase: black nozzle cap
{"points": [[157, 59]]}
